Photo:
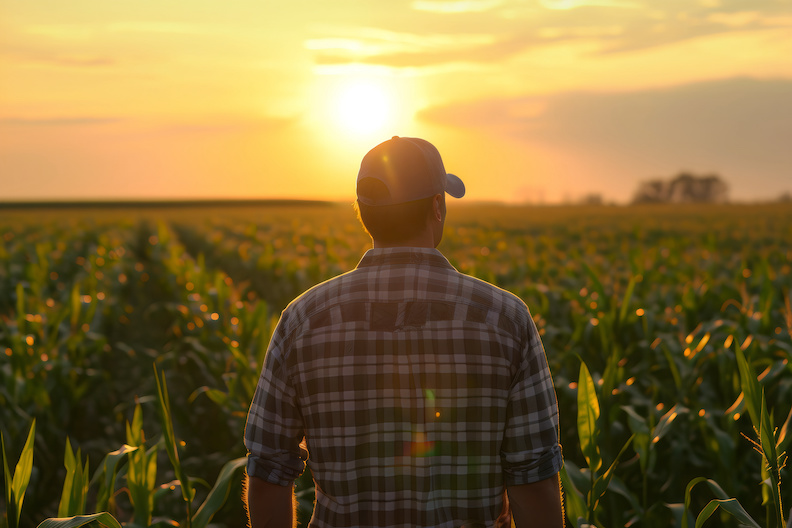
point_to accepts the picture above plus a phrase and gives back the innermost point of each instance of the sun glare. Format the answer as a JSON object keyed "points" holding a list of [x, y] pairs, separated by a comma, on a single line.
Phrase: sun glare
{"points": [[363, 108]]}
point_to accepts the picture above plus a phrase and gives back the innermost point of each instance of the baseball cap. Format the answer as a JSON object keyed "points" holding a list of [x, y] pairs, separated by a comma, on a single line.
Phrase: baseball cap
{"points": [[404, 169]]}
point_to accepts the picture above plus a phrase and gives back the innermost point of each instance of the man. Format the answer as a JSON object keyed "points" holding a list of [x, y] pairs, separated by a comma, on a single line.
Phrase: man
{"points": [[421, 393]]}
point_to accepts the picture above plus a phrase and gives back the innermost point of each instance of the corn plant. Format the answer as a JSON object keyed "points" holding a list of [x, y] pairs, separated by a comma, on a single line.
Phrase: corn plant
{"points": [[141, 471], [102, 519], [16, 484], [582, 511], [140, 475], [653, 300], [770, 444], [188, 493], [75, 486]]}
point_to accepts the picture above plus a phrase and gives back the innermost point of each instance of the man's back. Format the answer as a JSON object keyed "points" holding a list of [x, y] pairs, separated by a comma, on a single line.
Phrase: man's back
{"points": [[421, 393]]}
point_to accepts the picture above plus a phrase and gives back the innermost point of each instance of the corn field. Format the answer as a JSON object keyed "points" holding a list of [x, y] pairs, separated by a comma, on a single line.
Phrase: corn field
{"points": [[131, 343]]}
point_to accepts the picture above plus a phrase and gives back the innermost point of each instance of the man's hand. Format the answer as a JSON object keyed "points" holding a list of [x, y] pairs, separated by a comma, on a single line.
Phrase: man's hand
{"points": [[269, 505], [537, 504]]}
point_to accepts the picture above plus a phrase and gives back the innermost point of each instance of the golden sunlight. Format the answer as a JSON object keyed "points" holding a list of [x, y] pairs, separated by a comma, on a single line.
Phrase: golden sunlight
{"points": [[362, 107]]}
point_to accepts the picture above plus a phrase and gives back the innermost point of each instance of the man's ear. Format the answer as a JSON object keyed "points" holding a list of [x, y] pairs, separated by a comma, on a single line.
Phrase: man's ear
{"points": [[437, 207]]}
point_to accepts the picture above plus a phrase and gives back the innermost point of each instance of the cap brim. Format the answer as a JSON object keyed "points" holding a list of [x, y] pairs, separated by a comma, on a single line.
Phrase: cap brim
{"points": [[454, 186]]}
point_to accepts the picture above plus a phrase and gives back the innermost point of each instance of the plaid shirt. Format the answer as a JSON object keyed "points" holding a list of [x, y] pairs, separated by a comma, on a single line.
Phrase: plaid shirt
{"points": [[420, 391]]}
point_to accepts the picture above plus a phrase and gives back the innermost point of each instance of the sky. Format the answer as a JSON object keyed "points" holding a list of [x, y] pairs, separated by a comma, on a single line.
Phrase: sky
{"points": [[538, 101]]}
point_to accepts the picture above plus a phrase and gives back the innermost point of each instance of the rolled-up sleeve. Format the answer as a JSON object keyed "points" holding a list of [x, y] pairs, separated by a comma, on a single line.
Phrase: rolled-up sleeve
{"points": [[274, 427], [530, 450]]}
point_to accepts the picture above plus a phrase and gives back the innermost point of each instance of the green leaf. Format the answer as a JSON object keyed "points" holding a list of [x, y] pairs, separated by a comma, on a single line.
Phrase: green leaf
{"points": [[588, 413], [64, 507], [106, 475], [102, 518], [688, 490], [141, 470], [768, 443], [23, 470], [11, 510], [626, 300], [636, 422], [188, 493], [783, 434], [601, 484], [750, 386], [218, 494], [708, 510], [723, 500], [216, 395], [732, 506], [75, 484], [574, 503], [665, 422]]}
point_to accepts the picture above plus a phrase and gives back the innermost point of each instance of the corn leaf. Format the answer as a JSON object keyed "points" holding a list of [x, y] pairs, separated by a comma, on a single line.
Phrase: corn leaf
{"points": [[141, 470], [188, 493], [750, 386], [218, 494], [663, 425], [768, 443], [75, 485], [11, 509], [102, 519], [65, 506], [106, 475], [588, 413], [625, 305], [22, 472], [783, 434], [601, 484], [723, 500], [574, 503], [732, 506]]}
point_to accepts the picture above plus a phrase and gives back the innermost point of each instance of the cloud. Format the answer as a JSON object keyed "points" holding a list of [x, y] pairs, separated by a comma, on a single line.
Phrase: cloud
{"points": [[177, 28], [456, 6], [398, 49], [572, 4], [58, 121], [58, 58], [480, 31], [225, 126], [708, 110], [738, 126]]}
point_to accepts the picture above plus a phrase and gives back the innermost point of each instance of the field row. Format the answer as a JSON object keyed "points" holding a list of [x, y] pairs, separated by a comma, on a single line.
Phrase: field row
{"points": [[655, 302]]}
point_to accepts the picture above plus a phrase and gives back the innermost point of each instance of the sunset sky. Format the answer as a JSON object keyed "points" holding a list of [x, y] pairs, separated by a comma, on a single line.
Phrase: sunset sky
{"points": [[528, 100]]}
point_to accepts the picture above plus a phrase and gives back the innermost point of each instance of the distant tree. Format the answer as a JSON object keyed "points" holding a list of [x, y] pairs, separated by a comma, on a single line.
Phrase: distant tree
{"points": [[785, 197], [653, 191], [684, 188], [592, 199]]}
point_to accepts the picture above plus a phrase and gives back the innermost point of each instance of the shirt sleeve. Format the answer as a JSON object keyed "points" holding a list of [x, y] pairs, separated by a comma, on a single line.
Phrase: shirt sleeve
{"points": [[530, 450], [274, 427]]}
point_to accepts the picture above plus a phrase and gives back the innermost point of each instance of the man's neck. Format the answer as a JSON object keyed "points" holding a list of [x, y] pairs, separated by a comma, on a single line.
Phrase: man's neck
{"points": [[425, 240], [402, 245]]}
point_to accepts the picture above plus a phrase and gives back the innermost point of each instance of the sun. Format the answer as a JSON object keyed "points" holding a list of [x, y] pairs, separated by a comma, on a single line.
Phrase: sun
{"points": [[363, 108]]}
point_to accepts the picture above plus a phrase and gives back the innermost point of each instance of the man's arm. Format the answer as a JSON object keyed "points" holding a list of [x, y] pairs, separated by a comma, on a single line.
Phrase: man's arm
{"points": [[537, 504], [269, 505]]}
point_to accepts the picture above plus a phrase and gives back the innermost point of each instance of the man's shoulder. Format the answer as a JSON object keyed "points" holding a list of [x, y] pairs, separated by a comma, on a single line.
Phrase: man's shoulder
{"points": [[481, 291], [445, 285], [321, 293]]}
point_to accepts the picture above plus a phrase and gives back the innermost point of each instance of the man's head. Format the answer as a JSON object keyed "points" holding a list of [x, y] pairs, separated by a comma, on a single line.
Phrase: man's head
{"points": [[401, 190]]}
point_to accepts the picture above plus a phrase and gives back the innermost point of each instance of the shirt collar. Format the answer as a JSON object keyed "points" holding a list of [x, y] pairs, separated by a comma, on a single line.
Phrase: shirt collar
{"points": [[401, 256]]}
